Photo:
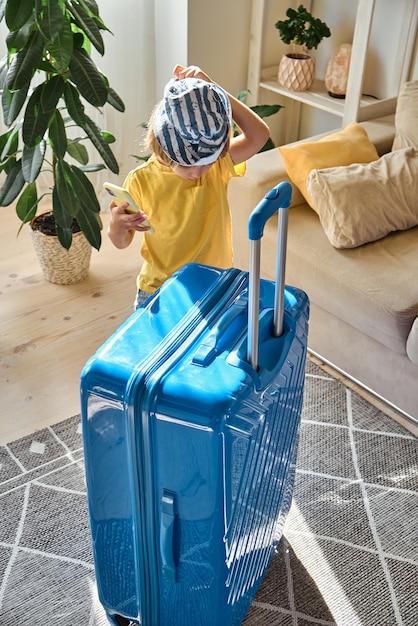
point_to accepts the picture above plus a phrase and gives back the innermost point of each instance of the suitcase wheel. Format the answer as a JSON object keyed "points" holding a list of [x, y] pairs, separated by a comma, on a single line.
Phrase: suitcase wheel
{"points": [[123, 621]]}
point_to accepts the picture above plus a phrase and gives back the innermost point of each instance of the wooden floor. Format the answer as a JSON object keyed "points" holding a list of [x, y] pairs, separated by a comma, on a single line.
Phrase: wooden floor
{"points": [[49, 331]]}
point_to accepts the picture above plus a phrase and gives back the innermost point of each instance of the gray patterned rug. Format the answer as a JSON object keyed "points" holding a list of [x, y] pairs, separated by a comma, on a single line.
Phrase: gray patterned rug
{"points": [[349, 556]]}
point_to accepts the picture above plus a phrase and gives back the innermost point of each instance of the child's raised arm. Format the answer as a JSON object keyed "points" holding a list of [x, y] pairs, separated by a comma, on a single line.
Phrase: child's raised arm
{"points": [[254, 132]]}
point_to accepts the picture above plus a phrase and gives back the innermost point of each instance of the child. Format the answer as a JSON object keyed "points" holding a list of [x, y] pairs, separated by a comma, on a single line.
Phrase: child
{"points": [[182, 188]]}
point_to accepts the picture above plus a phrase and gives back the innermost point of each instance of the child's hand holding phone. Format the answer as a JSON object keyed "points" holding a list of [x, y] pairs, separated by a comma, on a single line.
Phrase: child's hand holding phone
{"points": [[122, 196]]}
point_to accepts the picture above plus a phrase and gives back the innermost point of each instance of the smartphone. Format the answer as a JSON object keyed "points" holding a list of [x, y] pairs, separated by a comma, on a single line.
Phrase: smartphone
{"points": [[120, 196]]}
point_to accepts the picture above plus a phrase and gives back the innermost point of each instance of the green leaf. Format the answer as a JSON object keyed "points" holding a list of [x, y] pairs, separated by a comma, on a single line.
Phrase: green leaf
{"points": [[32, 160], [61, 47], [13, 185], [88, 25], [8, 165], [35, 122], [57, 135], [25, 62], [85, 191], [92, 9], [78, 152], [65, 187], [9, 143], [27, 204], [3, 70], [74, 106], [141, 158], [17, 13], [265, 110], [50, 17], [45, 66], [16, 40], [76, 193], [268, 145], [12, 103], [108, 137], [114, 100], [65, 237], [4, 140], [101, 146], [93, 167], [62, 217], [52, 91], [91, 225], [88, 79], [79, 39], [242, 95]]}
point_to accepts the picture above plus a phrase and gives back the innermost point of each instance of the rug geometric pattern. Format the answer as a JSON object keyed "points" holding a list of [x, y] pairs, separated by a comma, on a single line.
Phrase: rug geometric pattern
{"points": [[348, 557]]}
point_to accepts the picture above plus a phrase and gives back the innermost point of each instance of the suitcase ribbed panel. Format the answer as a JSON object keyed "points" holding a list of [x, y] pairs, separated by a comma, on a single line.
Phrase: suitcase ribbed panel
{"points": [[262, 473]]}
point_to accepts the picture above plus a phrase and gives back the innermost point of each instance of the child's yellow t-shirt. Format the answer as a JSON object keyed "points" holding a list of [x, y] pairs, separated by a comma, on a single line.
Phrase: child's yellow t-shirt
{"points": [[191, 219]]}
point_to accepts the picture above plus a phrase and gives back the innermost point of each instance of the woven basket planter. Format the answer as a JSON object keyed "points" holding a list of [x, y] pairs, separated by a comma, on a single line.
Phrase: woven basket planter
{"points": [[61, 266], [296, 71]]}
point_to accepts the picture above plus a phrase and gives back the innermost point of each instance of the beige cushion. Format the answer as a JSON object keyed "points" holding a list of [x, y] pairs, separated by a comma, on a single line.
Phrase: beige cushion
{"points": [[362, 203], [406, 117], [412, 343], [349, 145]]}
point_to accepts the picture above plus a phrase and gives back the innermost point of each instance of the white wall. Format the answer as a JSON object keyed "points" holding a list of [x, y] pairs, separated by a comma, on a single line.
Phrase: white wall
{"points": [[211, 35], [218, 33], [171, 36]]}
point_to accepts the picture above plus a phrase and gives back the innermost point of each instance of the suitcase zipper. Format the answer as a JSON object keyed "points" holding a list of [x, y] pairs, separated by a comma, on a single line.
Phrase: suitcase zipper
{"points": [[141, 387]]}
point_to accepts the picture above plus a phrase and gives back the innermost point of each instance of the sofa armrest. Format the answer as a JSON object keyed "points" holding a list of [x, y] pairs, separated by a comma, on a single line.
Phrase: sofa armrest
{"points": [[381, 133], [264, 171]]}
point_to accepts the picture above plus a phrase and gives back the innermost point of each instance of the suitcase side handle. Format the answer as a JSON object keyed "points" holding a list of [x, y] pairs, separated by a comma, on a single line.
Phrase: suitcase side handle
{"points": [[167, 535], [277, 198]]}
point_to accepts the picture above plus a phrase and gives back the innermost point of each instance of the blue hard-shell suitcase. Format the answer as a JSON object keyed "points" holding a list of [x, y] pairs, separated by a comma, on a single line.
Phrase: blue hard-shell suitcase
{"points": [[191, 413]]}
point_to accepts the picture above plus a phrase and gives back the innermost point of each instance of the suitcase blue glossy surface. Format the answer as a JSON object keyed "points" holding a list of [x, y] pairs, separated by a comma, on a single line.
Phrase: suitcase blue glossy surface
{"points": [[190, 447]]}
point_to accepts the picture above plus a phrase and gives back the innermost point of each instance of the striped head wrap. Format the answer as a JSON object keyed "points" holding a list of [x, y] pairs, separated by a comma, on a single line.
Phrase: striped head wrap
{"points": [[193, 121]]}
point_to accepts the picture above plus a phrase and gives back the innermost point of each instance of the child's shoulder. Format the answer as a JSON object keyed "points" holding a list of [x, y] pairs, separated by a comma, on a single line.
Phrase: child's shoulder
{"points": [[146, 163], [227, 166], [151, 164]]}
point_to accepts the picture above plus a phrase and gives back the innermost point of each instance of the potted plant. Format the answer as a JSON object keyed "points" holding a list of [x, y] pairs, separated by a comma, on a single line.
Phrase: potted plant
{"points": [[304, 32], [45, 79]]}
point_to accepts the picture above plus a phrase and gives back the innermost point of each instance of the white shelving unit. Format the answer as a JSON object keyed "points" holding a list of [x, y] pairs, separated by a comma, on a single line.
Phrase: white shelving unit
{"points": [[355, 106]]}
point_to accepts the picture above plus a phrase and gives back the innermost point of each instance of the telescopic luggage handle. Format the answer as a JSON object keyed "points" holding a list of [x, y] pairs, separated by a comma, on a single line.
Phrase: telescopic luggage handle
{"points": [[277, 199]]}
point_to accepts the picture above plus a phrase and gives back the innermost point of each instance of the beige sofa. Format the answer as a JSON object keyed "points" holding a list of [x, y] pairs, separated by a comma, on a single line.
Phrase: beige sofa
{"points": [[364, 299]]}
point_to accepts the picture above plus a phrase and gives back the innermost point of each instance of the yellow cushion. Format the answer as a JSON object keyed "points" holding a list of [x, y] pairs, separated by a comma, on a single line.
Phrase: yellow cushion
{"points": [[360, 203], [347, 146]]}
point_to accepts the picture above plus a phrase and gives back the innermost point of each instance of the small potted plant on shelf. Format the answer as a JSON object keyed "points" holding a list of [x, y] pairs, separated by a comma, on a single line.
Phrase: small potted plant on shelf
{"points": [[45, 79], [304, 32]]}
